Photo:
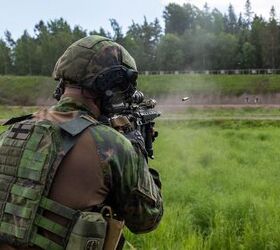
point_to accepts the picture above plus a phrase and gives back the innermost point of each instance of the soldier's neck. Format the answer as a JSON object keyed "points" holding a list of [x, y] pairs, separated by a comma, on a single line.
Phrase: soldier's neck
{"points": [[84, 97]]}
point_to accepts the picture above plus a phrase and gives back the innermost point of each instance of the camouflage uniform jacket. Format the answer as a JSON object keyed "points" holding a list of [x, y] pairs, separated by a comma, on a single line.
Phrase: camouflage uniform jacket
{"points": [[132, 189], [103, 168]]}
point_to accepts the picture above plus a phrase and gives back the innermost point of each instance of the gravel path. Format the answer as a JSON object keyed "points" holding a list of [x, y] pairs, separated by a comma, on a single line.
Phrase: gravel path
{"points": [[201, 106], [169, 112], [218, 118]]}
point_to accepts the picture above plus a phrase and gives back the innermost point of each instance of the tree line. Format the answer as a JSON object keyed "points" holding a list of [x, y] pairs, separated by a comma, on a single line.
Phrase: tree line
{"points": [[193, 39]]}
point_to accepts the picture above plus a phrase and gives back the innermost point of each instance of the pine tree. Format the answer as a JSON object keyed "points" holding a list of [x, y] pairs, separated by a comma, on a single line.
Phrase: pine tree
{"points": [[117, 29], [230, 20], [5, 58], [272, 40], [248, 14]]}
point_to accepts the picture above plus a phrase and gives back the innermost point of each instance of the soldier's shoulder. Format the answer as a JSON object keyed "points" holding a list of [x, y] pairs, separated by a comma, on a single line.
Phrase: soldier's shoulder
{"points": [[113, 148], [106, 135]]}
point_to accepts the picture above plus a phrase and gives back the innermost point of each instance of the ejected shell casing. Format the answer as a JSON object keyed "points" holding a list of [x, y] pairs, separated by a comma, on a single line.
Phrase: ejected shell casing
{"points": [[185, 99]]}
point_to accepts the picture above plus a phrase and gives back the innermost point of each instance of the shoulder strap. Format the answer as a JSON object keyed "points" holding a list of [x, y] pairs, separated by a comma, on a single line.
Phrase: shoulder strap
{"points": [[78, 125], [17, 119]]}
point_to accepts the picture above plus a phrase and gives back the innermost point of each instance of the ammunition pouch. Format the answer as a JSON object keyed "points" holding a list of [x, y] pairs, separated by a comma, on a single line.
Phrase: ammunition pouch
{"points": [[88, 233], [96, 231]]}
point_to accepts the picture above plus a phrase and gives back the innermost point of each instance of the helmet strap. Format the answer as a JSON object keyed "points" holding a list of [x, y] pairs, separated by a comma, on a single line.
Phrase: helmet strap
{"points": [[60, 88]]}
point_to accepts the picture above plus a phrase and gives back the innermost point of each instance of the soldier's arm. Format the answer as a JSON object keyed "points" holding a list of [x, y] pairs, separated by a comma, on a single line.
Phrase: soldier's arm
{"points": [[139, 199], [135, 189], [142, 199]]}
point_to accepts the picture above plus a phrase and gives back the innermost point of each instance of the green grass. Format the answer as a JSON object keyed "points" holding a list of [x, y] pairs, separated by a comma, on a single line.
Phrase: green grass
{"points": [[34, 90], [209, 84], [13, 111], [220, 186], [224, 111], [7, 112], [210, 113], [25, 90]]}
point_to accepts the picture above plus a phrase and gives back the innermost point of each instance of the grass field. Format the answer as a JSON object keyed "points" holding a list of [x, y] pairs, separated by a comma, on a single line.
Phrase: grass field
{"points": [[210, 84], [220, 186], [220, 183], [222, 113], [12, 111], [37, 90]]}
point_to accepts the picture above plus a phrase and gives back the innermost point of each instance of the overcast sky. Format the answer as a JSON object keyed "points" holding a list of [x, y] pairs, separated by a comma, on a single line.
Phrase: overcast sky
{"points": [[17, 15]]}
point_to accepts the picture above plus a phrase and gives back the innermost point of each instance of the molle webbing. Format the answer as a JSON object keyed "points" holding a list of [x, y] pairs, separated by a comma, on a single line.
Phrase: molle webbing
{"points": [[51, 226], [16, 212], [30, 154]]}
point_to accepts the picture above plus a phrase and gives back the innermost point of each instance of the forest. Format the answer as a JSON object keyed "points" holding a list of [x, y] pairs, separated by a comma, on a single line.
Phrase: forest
{"points": [[191, 39]]}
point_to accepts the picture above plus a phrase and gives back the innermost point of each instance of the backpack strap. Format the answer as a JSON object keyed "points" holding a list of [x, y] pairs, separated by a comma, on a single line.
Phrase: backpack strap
{"points": [[78, 125]]}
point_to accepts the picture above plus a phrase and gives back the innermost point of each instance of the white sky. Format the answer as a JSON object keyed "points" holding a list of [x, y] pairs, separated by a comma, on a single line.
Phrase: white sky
{"points": [[259, 7], [17, 15]]}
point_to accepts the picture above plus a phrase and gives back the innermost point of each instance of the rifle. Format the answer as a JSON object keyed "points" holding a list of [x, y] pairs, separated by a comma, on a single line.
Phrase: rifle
{"points": [[136, 113]]}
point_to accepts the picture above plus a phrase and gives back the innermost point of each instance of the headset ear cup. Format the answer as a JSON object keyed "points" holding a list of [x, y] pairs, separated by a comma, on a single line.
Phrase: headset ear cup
{"points": [[132, 75], [115, 77], [100, 85]]}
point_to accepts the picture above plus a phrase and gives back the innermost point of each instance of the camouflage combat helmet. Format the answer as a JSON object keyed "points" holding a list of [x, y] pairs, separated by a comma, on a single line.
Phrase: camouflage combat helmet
{"points": [[89, 56]]}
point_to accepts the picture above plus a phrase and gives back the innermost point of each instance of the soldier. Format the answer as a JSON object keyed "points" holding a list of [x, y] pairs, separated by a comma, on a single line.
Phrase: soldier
{"points": [[67, 181]]}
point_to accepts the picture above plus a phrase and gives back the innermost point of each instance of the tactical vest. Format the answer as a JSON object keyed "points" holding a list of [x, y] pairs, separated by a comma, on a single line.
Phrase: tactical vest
{"points": [[30, 154]]}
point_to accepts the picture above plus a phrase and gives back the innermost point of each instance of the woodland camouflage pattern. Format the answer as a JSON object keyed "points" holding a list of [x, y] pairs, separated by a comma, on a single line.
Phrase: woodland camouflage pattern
{"points": [[134, 190], [135, 197], [89, 56], [27, 153], [106, 167]]}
